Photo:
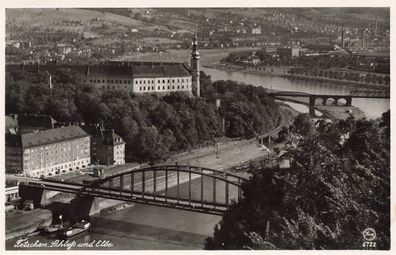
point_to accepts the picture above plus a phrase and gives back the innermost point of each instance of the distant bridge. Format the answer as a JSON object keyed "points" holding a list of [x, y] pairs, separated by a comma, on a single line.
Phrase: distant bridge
{"points": [[150, 185], [312, 100]]}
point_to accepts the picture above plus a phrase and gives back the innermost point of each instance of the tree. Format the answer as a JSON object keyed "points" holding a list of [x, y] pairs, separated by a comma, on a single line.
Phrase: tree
{"points": [[151, 125], [303, 125], [325, 200]]}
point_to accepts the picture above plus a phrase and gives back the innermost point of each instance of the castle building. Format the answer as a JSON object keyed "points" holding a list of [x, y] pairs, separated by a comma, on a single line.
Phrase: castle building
{"points": [[147, 77], [133, 77], [47, 152], [140, 77]]}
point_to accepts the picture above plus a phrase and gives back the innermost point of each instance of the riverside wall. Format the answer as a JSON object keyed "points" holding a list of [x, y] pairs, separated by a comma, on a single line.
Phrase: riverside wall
{"points": [[27, 222]]}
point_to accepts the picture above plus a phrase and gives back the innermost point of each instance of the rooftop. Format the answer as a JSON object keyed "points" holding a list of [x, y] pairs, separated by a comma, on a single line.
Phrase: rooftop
{"points": [[139, 69], [115, 68], [107, 136], [45, 137]]}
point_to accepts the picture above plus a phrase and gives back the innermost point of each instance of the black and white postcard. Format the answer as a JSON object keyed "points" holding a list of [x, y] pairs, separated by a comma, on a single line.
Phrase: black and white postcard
{"points": [[173, 127]]}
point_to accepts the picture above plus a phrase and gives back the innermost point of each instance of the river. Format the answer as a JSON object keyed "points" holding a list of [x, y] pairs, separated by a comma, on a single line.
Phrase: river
{"points": [[149, 227], [373, 108], [143, 227]]}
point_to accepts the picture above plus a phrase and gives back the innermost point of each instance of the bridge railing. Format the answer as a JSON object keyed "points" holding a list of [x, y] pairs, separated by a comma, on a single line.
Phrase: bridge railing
{"points": [[153, 184]]}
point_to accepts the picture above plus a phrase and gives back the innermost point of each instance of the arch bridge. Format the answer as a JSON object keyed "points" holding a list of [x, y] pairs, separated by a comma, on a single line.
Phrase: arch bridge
{"points": [[328, 99], [185, 187], [312, 99]]}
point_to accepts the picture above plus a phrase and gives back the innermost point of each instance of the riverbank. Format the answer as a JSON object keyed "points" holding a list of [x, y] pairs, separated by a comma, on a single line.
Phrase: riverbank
{"points": [[336, 81], [26, 222], [182, 55], [342, 113], [277, 71], [282, 71]]}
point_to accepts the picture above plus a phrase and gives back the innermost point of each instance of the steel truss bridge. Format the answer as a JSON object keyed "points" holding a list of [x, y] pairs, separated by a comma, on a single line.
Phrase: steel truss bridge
{"points": [[190, 188]]}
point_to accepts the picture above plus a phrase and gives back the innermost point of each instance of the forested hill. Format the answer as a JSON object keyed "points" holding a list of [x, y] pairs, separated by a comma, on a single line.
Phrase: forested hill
{"points": [[151, 125], [337, 186]]}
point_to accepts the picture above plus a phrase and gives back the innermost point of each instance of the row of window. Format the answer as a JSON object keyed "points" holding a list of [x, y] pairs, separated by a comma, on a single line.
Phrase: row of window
{"points": [[159, 81], [65, 166], [148, 88], [137, 81], [110, 81], [13, 163], [51, 158], [163, 87], [64, 145], [55, 154], [12, 157], [113, 87]]}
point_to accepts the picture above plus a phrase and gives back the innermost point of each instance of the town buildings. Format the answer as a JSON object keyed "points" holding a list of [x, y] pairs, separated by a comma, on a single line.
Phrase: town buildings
{"points": [[107, 147], [256, 30], [37, 145], [47, 152], [11, 193], [288, 53]]}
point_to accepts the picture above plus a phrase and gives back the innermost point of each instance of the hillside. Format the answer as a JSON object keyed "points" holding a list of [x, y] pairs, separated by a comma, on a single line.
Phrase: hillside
{"points": [[58, 19], [108, 33]]}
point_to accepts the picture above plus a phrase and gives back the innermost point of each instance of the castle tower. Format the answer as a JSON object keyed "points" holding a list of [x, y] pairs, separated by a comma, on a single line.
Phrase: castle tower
{"points": [[195, 68]]}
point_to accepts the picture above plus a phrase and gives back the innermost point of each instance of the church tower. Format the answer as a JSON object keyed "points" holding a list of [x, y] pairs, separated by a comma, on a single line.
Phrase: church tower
{"points": [[195, 68]]}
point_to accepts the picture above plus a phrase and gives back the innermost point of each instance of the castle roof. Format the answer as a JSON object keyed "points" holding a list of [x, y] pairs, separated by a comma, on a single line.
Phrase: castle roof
{"points": [[116, 69], [138, 69]]}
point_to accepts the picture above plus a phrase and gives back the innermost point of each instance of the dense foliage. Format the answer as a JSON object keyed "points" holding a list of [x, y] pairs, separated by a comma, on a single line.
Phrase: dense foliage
{"points": [[152, 125], [337, 186]]}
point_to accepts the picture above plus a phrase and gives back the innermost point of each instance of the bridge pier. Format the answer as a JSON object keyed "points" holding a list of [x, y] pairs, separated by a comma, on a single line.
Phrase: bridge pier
{"points": [[311, 101], [348, 101], [81, 207], [40, 197], [312, 112]]}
